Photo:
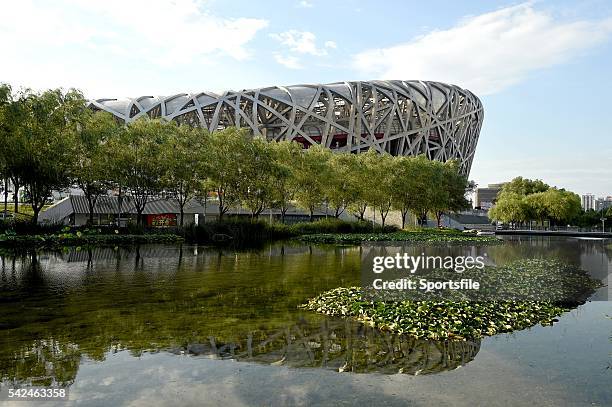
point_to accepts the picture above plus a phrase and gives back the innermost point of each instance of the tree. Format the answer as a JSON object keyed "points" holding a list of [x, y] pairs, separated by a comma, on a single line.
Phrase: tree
{"points": [[45, 138], [525, 186], [421, 191], [448, 188], [91, 172], [311, 173], [225, 165], [5, 100], [258, 171], [537, 207], [141, 163], [339, 190], [357, 184], [283, 186], [403, 186], [510, 207], [12, 143], [184, 170], [380, 168], [562, 206]]}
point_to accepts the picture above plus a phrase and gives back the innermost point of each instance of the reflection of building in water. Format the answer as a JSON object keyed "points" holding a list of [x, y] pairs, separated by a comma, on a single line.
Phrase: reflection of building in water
{"points": [[342, 346]]}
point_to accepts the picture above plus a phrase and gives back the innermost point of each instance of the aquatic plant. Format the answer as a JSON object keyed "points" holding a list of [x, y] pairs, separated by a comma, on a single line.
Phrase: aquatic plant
{"points": [[459, 320]]}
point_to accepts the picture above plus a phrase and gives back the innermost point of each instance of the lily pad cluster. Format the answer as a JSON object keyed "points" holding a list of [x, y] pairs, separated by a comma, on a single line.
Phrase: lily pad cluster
{"points": [[78, 239], [445, 319], [430, 237], [522, 280]]}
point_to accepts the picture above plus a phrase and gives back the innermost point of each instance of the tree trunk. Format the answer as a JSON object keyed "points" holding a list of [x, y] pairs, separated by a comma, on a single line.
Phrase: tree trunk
{"points": [[119, 202], [311, 218], [5, 198], [439, 219], [219, 196], [182, 214], [404, 213], [91, 203], [15, 194], [36, 209], [362, 211], [283, 212]]}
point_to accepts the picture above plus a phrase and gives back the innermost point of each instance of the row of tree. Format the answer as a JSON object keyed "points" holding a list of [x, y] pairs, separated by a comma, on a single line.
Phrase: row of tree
{"points": [[523, 200], [51, 140]]}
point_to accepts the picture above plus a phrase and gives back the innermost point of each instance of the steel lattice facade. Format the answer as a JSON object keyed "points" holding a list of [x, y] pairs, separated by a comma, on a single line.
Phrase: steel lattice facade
{"points": [[398, 117]]}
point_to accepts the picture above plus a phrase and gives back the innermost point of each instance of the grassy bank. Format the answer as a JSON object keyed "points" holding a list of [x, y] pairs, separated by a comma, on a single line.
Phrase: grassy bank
{"points": [[230, 231], [459, 320], [84, 239]]}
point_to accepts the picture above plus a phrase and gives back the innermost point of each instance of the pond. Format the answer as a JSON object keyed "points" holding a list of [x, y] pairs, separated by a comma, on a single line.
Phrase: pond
{"points": [[168, 324]]}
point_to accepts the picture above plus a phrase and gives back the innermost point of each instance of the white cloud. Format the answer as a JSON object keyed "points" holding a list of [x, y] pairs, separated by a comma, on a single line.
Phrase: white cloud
{"points": [[489, 52], [305, 4], [331, 44], [163, 32], [302, 42], [288, 61]]}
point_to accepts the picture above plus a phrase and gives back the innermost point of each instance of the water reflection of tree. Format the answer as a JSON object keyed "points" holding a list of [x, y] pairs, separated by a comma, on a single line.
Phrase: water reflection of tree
{"points": [[144, 299], [330, 344], [342, 346], [90, 302], [43, 363]]}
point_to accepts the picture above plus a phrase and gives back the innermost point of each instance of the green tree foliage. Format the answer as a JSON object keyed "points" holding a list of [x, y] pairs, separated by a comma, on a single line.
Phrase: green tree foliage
{"points": [[340, 190], [448, 188], [523, 200], [510, 208], [12, 117], [140, 159], [379, 183], [311, 173], [256, 191], [283, 185], [524, 186], [5, 100], [358, 184], [184, 156], [91, 172], [43, 142], [225, 165]]}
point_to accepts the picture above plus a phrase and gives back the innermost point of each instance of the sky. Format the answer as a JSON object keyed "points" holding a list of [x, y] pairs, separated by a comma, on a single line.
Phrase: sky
{"points": [[543, 69]]}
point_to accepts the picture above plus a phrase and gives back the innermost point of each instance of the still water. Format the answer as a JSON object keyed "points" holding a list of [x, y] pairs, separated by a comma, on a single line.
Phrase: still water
{"points": [[187, 325]]}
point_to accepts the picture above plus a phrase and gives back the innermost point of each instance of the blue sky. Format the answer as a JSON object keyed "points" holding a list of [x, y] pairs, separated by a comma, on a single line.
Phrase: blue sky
{"points": [[542, 68]]}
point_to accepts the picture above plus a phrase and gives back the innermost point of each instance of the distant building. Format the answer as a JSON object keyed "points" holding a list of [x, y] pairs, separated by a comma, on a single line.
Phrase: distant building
{"points": [[485, 198], [588, 202], [603, 203]]}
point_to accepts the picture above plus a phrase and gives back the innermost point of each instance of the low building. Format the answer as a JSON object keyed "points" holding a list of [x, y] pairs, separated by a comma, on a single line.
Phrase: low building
{"points": [[485, 198], [73, 210], [158, 212], [464, 221]]}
